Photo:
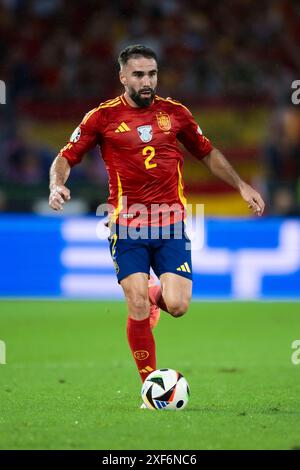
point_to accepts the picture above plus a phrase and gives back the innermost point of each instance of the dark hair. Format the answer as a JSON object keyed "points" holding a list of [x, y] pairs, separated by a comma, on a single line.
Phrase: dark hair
{"points": [[135, 50]]}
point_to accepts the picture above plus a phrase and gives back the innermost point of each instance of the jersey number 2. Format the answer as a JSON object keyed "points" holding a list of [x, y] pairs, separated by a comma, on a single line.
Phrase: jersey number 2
{"points": [[150, 153]]}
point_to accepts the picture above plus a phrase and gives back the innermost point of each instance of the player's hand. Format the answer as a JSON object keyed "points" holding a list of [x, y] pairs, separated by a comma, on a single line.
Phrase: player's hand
{"points": [[58, 196], [253, 198]]}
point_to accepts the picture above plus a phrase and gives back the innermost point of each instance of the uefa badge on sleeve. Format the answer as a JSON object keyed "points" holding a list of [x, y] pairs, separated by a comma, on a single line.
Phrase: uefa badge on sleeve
{"points": [[76, 135]]}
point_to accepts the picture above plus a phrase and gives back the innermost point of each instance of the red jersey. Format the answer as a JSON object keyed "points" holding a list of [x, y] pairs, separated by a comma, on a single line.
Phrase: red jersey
{"points": [[140, 150]]}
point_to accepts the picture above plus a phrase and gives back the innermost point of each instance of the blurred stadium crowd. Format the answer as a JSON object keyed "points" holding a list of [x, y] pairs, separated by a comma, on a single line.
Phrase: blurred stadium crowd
{"points": [[217, 53]]}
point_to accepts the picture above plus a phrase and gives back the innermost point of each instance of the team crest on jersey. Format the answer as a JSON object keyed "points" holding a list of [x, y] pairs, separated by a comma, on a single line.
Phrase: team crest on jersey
{"points": [[76, 135], [163, 121], [145, 133]]}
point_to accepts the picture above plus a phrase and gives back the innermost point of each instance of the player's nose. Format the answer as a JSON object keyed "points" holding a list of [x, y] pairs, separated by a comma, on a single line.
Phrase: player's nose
{"points": [[146, 81]]}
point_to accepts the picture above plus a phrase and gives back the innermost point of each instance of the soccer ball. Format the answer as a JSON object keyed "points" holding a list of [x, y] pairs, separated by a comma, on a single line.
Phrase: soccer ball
{"points": [[165, 389]]}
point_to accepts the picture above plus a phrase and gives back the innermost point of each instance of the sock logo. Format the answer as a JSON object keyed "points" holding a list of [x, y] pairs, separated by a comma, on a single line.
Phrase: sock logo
{"points": [[141, 355], [146, 370]]}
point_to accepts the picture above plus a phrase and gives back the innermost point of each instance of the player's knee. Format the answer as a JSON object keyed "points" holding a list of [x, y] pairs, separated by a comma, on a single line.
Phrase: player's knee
{"points": [[178, 309], [138, 303]]}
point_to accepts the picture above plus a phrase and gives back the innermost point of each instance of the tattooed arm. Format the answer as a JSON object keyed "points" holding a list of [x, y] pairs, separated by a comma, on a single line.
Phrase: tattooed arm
{"points": [[59, 173]]}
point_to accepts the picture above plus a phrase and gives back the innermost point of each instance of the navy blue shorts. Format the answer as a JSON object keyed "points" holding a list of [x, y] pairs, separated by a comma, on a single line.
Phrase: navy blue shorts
{"points": [[165, 249]]}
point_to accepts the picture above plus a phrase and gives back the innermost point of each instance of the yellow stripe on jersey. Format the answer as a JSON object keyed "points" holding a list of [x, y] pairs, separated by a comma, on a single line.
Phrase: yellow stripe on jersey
{"points": [[110, 101], [66, 147], [120, 203], [123, 100], [88, 115], [180, 187], [106, 104], [169, 100], [109, 105]]}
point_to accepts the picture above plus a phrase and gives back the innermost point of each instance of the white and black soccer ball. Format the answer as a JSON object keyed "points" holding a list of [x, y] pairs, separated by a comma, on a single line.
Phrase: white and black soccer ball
{"points": [[165, 389]]}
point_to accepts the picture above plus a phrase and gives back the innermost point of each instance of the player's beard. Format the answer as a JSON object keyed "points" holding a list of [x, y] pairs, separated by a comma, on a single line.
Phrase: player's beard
{"points": [[139, 99]]}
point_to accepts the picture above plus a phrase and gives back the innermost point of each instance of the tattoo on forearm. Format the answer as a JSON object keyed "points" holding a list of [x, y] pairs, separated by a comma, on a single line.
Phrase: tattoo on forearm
{"points": [[59, 171]]}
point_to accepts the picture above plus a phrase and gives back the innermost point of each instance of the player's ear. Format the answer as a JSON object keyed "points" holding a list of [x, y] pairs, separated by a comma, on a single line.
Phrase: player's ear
{"points": [[122, 77]]}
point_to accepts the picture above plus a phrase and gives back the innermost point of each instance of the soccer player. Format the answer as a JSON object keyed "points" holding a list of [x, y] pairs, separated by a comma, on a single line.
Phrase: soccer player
{"points": [[138, 134]]}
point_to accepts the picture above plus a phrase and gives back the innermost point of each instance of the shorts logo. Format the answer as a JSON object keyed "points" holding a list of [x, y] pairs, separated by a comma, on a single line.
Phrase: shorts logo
{"points": [[184, 267], [145, 133], [141, 355], [164, 121], [76, 135]]}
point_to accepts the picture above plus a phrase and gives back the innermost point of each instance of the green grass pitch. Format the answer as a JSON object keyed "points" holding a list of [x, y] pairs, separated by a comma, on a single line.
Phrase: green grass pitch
{"points": [[70, 382]]}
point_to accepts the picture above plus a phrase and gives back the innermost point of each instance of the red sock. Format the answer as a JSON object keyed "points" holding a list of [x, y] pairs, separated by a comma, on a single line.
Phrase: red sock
{"points": [[156, 297], [142, 345]]}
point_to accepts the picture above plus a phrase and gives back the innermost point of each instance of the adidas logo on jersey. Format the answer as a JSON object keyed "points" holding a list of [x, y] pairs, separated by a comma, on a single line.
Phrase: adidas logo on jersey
{"points": [[184, 267], [123, 127]]}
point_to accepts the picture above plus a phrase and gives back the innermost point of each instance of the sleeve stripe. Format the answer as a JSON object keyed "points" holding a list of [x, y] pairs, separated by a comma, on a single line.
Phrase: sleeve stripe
{"points": [[88, 115], [110, 105], [106, 104], [171, 101], [110, 101]]}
